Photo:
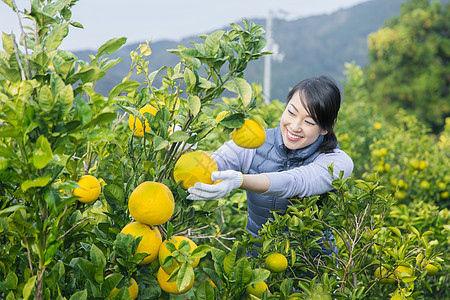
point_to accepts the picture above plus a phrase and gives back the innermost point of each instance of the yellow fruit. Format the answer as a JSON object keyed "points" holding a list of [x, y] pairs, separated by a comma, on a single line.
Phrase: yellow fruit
{"points": [[164, 252], [276, 262], [380, 274], [257, 289], [423, 164], [89, 189], [425, 185], [250, 135], [151, 239], [151, 203], [193, 167], [382, 152], [135, 123], [171, 287], [431, 269], [133, 289]]}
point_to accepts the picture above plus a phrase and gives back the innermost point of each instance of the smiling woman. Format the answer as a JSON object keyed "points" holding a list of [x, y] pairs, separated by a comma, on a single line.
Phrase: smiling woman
{"points": [[293, 160]]}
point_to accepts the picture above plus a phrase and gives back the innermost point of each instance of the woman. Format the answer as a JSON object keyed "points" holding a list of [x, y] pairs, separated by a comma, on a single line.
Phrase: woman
{"points": [[293, 161]]}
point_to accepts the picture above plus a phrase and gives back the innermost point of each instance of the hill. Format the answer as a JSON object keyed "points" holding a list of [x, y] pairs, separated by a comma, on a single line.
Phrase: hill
{"points": [[310, 46]]}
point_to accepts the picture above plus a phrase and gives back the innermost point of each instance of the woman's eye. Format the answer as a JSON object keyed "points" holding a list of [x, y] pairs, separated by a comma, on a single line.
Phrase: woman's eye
{"points": [[310, 123], [290, 112]]}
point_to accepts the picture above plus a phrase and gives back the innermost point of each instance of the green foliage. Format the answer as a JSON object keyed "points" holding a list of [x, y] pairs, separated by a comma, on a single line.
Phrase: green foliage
{"points": [[408, 62], [401, 153]]}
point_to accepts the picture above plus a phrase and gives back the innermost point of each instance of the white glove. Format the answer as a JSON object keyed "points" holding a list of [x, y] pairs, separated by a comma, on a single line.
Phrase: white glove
{"points": [[230, 180]]}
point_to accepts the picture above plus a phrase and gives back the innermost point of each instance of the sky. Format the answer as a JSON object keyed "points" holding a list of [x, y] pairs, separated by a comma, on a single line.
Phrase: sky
{"points": [[140, 20]]}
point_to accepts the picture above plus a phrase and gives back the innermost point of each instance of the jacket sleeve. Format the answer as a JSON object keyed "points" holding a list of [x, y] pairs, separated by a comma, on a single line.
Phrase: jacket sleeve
{"points": [[311, 179], [232, 157]]}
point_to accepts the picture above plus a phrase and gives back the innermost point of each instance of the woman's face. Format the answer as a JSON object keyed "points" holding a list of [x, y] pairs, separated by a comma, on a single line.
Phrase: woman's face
{"points": [[297, 126]]}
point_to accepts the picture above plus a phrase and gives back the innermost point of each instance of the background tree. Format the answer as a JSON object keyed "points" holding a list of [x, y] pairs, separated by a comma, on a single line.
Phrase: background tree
{"points": [[409, 62]]}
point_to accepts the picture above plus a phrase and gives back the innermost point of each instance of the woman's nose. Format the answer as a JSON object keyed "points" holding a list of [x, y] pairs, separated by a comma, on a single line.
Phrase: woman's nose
{"points": [[296, 126]]}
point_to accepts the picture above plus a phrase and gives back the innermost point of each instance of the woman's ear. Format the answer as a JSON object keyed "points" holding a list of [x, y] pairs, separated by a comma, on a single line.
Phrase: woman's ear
{"points": [[323, 132]]}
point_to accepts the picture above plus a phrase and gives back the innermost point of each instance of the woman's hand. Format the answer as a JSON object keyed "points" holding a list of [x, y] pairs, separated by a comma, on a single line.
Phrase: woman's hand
{"points": [[230, 180]]}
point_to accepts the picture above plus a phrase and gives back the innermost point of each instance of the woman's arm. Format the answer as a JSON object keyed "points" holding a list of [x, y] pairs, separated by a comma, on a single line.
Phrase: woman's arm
{"points": [[311, 179], [256, 183], [232, 157]]}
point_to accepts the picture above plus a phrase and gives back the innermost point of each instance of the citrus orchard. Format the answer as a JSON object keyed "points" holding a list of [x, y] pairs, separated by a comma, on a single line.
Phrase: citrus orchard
{"points": [[250, 135], [151, 203], [89, 189], [276, 262], [171, 287], [164, 253], [136, 125], [193, 167], [151, 239]]}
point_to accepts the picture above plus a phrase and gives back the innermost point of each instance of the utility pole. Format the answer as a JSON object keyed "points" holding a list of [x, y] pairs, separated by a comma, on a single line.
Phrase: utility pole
{"points": [[268, 59], [277, 55]]}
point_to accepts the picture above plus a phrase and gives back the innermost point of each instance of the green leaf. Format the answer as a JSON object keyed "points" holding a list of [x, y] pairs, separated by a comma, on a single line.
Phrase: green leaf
{"points": [[42, 153], [84, 111], [189, 78], [11, 281], [185, 276], [29, 287], [178, 136], [10, 296], [102, 118], [127, 86], [159, 143], [229, 261], [205, 291], [64, 100], [9, 3], [38, 182], [8, 43], [56, 36], [212, 42], [45, 99], [99, 260], [57, 271], [396, 231], [50, 199], [194, 104], [11, 209], [243, 271], [40, 58], [233, 121], [259, 275], [114, 193], [111, 281], [111, 46], [87, 268], [244, 90], [201, 251], [81, 295]]}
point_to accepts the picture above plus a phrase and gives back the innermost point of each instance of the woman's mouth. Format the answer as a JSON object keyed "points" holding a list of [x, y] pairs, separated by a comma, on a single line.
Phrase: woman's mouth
{"points": [[292, 137]]}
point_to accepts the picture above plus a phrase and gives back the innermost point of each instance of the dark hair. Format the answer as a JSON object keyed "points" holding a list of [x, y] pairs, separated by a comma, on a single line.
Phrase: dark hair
{"points": [[322, 99]]}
